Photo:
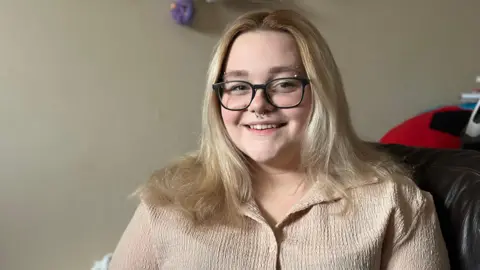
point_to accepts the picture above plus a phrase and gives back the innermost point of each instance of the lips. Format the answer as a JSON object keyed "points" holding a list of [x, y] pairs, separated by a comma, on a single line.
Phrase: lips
{"points": [[265, 126]]}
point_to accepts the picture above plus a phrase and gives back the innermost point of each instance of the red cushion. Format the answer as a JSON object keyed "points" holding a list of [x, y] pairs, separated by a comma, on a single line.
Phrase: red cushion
{"points": [[416, 132]]}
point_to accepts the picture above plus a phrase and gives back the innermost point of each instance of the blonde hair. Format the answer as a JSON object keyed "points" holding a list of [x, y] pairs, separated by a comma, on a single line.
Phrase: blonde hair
{"points": [[213, 183]]}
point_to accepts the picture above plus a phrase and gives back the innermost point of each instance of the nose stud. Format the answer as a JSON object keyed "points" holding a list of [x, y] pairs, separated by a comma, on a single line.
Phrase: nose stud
{"points": [[259, 116]]}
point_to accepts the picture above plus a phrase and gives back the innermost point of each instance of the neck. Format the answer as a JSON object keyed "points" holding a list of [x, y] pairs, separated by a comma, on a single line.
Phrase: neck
{"points": [[281, 175], [272, 180]]}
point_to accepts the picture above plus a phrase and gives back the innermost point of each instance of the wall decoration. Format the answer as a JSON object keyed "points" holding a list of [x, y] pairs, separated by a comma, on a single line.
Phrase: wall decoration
{"points": [[182, 11]]}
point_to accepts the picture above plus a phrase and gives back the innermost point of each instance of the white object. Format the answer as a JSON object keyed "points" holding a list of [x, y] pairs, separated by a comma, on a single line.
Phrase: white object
{"points": [[473, 126], [102, 264], [470, 96]]}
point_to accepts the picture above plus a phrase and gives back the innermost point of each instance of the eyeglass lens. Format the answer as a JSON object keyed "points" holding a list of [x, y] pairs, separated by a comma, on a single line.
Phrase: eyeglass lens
{"points": [[237, 95]]}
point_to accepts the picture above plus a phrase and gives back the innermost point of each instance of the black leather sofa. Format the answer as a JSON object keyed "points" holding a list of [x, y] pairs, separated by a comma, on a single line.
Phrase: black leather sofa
{"points": [[453, 179]]}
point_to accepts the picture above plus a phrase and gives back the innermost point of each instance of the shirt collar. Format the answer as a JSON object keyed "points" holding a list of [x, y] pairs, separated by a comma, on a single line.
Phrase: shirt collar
{"points": [[319, 193]]}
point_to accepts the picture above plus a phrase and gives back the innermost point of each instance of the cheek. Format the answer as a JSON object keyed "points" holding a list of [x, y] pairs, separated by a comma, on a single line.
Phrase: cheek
{"points": [[230, 118], [301, 113], [307, 99]]}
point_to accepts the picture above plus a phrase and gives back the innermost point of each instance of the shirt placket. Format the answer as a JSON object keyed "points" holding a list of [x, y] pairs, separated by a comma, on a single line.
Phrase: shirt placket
{"points": [[317, 195], [272, 249]]}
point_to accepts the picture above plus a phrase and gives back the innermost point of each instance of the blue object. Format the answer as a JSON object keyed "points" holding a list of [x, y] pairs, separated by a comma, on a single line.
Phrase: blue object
{"points": [[464, 106], [468, 106], [182, 11]]}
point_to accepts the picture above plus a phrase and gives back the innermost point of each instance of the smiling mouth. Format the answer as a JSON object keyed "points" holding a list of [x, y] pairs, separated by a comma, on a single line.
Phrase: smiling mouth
{"points": [[266, 126]]}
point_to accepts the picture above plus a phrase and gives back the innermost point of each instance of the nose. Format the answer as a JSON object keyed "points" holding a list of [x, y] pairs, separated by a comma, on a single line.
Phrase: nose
{"points": [[259, 103]]}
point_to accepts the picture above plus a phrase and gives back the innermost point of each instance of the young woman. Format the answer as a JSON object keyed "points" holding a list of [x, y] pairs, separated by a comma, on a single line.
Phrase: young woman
{"points": [[281, 180]]}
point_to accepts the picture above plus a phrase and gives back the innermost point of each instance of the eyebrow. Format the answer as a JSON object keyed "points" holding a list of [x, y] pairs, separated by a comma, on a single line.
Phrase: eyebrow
{"points": [[271, 71]]}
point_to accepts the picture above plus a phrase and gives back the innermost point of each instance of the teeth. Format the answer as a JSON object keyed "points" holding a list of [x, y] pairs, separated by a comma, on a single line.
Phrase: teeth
{"points": [[260, 127]]}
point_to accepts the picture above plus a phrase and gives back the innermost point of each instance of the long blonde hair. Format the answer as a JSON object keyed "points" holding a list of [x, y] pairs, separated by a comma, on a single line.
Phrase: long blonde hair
{"points": [[215, 181]]}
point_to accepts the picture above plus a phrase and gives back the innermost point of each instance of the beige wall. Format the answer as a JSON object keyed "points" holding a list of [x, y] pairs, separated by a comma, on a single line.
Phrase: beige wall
{"points": [[94, 95]]}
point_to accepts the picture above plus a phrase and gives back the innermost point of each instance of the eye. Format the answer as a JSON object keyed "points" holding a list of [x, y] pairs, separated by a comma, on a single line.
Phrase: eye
{"points": [[286, 84], [239, 87], [236, 88], [282, 85]]}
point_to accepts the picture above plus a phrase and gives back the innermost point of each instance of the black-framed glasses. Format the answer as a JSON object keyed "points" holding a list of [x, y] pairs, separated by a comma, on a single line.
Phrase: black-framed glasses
{"points": [[282, 93]]}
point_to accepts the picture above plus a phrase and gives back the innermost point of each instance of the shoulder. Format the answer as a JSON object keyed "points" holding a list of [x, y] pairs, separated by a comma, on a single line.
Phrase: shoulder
{"points": [[399, 192], [412, 229], [399, 198], [171, 183], [160, 215], [406, 196]]}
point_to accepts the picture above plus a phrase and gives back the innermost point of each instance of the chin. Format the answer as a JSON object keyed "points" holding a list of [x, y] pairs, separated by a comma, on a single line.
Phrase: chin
{"points": [[271, 156], [261, 155], [263, 159]]}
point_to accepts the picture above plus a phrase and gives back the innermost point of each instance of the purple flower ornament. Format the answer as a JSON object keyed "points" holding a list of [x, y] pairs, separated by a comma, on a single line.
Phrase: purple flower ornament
{"points": [[182, 11]]}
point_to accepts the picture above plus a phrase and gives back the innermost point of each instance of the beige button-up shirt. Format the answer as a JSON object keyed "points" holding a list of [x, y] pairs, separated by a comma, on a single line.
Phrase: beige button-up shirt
{"points": [[392, 226]]}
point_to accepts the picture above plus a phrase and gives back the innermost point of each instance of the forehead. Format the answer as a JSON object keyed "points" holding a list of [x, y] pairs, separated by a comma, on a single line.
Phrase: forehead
{"points": [[260, 51]]}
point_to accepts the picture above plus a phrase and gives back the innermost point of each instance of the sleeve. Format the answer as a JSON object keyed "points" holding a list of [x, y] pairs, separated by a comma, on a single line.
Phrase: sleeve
{"points": [[415, 240], [136, 249]]}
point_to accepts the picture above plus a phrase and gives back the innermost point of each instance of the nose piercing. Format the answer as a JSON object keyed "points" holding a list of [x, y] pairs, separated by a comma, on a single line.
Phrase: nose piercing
{"points": [[259, 116]]}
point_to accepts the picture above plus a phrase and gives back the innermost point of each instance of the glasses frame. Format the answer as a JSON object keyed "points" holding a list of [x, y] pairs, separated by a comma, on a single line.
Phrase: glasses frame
{"points": [[217, 87]]}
